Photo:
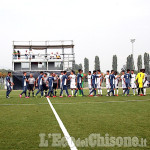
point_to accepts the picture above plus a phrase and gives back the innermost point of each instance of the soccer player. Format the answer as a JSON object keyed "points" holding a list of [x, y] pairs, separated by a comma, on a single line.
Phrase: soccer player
{"points": [[31, 85], [39, 82], [99, 82], [145, 82], [139, 78], [80, 94], [45, 86], [64, 84], [24, 85], [8, 85], [117, 78], [60, 78], [89, 82], [79, 83], [133, 82], [55, 84], [50, 80], [122, 79], [107, 81], [112, 82], [72, 78], [127, 82], [94, 85]]}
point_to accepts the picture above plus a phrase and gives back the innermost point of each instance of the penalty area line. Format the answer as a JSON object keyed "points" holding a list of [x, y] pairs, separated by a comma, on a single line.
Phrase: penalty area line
{"points": [[64, 130]]}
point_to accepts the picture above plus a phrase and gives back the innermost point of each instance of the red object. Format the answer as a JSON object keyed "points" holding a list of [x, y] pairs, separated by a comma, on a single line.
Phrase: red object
{"points": [[90, 95]]}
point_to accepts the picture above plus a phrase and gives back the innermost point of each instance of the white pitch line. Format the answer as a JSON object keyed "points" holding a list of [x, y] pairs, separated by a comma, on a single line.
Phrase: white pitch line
{"points": [[64, 130], [76, 103]]}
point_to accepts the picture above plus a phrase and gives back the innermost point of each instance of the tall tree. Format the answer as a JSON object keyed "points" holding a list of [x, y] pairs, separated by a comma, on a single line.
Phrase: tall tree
{"points": [[139, 63], [146, 62], [86, 65], [76, 67], [114, 63], [80, 66], [130, 62], [97, 63]]}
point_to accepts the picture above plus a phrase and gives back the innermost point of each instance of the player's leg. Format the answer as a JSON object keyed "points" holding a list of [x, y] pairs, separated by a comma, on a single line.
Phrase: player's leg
{"points": [[117, 90], [123, 88], [111, 90], [24, 92], [80, 92], [29, 92], [133, 89], [10, 89], [61, 88], [81, 89], [33, 91], [38, 91], [93, 90], [108, 87], [139, 91], [144, 88], [98, 90], [76, 89], [61, 91], [49, 91], [144, 91], [55, 90], [101, 92], [46, 91], [126, 89], [65, 88], [8, 92], [114, 91], [41, 90], [72, 92], [52, 91]]}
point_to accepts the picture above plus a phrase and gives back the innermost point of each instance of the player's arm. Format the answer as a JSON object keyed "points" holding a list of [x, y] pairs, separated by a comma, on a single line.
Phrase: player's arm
{"points": [[11, 83], [57, 83], [137, 77], [104, 77], [101, 81], [76, 80], [37, 82], [34, 85], [145, 80], [124, 79], [47, 81], [69, 77], [82, 79], [26, 80]]}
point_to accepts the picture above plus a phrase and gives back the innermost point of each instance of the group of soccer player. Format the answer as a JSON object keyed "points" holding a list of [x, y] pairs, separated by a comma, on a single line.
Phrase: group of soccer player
{"points": [[48, 83], [128, 79]]}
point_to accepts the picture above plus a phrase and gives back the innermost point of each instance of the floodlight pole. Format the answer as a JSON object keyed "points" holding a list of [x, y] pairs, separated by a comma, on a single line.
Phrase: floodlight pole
{"points": [[132, 41]]}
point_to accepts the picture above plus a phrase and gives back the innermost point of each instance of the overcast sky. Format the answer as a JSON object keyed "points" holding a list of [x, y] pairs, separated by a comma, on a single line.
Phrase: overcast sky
{"points": [[98, 27]]}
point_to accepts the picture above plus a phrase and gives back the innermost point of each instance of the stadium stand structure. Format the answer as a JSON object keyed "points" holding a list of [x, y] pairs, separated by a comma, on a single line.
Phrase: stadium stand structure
{"points": [[35, 56]]}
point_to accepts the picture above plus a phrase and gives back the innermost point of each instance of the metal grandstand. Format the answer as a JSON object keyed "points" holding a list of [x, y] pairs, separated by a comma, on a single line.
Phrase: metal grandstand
{"points": [[43, 56]]}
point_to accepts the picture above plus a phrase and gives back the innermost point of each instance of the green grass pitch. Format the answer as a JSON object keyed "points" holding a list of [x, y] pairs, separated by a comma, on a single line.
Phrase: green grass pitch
{"points": [[22, 120]]}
